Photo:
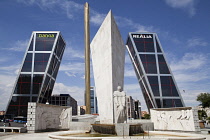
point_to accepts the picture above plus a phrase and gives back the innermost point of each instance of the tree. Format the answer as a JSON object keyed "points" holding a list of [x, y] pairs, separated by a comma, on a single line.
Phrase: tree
{"points": [[204, 98], [201, 114]]}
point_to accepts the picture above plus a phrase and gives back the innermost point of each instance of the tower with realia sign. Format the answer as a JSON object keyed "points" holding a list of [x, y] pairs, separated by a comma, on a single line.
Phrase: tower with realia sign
{"points": [[155, 78]]}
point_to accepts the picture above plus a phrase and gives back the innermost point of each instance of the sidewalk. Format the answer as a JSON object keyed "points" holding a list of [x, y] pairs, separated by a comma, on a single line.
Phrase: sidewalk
{"points": [[26, 136], [206, 130], [44, 136]]}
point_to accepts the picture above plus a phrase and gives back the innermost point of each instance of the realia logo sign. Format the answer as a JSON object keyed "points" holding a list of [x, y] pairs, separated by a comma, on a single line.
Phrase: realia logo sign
{"points": [[142, 36]]}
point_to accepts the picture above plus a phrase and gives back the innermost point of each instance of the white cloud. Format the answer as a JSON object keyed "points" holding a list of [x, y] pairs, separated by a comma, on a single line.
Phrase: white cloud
{"points": [[4, 59], [83, 77], [75, 67], [190, 94], [70, 8], [196, 42], [127, 58], [189, 61], [6, 86], [132, 87], [96, 18], [187, 5], [10, 68], [18, 46], [8, 77], [191, 73], [191, 77], [76, 92], [129, 72], [70, 74], [29, 2], [71, 53], [125, 22], [73, 9]]}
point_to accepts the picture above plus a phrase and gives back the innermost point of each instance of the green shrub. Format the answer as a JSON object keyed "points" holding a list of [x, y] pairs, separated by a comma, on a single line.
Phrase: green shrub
{"points": [[147, 116]]}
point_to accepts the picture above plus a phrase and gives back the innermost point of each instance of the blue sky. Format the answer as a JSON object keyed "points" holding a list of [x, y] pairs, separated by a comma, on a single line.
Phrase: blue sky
{"points": [[182, 27]]}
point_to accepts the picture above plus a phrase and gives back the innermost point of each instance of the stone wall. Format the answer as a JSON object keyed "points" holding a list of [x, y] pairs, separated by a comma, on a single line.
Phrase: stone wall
{"points": [[43, 116], [178, 119]]}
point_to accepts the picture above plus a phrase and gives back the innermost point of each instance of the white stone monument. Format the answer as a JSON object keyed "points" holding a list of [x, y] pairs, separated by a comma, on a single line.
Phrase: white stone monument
{"points": [[44, 116], [178, 119], [108, 58], [119, 106]]}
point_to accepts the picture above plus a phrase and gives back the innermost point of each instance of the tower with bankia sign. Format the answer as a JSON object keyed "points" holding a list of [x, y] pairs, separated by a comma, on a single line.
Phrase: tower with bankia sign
{"points": [[38, 71], [155, 78]]}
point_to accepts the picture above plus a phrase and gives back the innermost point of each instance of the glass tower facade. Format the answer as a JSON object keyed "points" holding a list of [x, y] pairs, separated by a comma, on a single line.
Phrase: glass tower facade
{"points": [[38, 72], [154, 75], [93, 101]]}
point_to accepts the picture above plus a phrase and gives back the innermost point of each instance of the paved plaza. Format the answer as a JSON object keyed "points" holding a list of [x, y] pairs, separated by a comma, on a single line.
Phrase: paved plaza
{"points": [[44, 136], [24, 136]]}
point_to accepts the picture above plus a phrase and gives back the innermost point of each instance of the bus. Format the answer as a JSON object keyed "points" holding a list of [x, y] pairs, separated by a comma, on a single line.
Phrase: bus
{"points": [[20, 119]]}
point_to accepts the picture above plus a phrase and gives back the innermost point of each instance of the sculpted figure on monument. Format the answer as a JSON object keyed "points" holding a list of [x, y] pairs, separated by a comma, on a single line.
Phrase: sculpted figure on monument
{"points": [[64, 118], [119, 106]]}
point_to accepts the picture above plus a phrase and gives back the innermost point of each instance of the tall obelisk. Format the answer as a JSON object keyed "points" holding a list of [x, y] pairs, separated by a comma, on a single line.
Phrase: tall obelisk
{"points": [[87, 58], [108, 59]]}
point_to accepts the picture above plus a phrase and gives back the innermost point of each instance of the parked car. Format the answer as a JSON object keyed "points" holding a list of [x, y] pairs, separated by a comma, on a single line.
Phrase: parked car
{"points": [[15, 121], [24, 121], [6, 120]]}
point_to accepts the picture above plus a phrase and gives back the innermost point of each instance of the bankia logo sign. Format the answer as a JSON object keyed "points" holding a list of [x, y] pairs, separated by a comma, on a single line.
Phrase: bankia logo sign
{"points": [[47, 35], [141, 35]]}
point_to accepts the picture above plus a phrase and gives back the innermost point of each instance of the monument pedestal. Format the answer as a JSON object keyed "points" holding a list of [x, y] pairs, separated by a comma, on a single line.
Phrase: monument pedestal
{"points": [[119, 129], [122, 129]]}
